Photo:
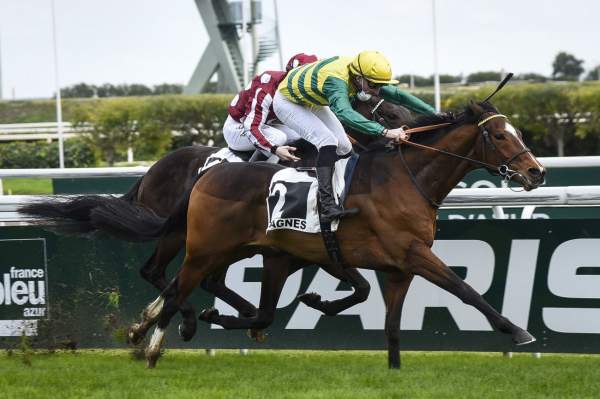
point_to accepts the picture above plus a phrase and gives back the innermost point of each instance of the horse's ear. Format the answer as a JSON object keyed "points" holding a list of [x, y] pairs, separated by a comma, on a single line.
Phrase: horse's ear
{"points": [[475, 108]]}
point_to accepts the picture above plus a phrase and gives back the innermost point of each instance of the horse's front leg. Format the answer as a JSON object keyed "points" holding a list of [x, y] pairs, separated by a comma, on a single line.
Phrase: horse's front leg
{"points": [[396, 287], [421, 261]]}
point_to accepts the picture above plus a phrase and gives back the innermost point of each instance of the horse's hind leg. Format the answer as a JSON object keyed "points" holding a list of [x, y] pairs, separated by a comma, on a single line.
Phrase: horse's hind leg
{"points": [[189, 276], [330, 308], [154, 271], [276, 269], [423, 262], [395, 291]]}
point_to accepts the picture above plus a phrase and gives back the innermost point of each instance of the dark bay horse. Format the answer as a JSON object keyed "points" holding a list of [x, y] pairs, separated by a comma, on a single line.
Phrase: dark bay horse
{"points": [[397, 193], [162, 188]]}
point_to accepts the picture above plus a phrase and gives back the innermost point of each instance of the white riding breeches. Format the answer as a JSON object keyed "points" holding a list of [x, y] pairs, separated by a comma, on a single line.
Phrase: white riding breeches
{"points": [[317, 125], [239, 138], [233, 134]]}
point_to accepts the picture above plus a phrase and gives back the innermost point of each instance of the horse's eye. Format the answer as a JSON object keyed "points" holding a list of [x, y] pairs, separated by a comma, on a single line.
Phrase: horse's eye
{"points": [[499, 136]]}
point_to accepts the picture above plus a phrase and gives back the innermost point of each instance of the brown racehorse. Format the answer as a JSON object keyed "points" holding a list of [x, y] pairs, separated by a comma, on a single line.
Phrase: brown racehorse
{"points": [[162, 188], [397, 193]]}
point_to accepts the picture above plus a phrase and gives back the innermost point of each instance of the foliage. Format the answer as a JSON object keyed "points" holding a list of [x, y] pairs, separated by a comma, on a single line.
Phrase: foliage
{"points": [[532, 77], [593, 74], [40, 154], [110, 125], [147, 125], [84, 90], [566, 67], [422, 81], [35, 111], [419, 81], [26, 186], [555, 119], [484, 76]]}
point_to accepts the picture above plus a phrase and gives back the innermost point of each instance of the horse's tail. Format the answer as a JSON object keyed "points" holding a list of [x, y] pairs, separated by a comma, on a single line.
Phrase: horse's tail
{"points": [[137, 223], [131, 195], [69, 215]]}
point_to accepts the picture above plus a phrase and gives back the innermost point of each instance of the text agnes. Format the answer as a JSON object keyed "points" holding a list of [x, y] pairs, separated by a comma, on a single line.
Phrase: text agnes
{"points": [[563, 278]]}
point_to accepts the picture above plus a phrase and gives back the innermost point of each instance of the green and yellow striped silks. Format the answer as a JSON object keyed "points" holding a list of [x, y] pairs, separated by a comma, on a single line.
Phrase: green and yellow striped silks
{"points": [[304, 85]]}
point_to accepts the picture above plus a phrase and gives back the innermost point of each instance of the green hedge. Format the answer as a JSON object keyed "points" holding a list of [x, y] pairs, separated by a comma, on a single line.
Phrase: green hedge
{"points": [[40, 154], [146, 123], [556, 119]]}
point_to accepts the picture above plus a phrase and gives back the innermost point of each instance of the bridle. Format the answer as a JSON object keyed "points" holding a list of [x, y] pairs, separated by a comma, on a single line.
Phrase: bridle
{"points": [[504, 170], [375, 116]]}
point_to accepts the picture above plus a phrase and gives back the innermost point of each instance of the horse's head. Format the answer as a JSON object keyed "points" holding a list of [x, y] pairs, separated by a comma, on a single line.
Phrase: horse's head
{"points": [[384, 112], [503, 147], [381, 111]]}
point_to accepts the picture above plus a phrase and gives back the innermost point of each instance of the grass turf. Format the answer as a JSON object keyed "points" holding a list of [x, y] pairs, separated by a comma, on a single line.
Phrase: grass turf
{"points": [[21, 186], [299, 374]]}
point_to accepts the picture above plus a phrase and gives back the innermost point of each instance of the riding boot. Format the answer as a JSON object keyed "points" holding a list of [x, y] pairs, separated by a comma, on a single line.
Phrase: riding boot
{"points": [[330, 211]]}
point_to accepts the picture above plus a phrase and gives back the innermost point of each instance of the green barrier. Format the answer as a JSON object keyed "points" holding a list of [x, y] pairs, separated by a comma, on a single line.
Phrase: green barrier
{"points": [[543, 274]]}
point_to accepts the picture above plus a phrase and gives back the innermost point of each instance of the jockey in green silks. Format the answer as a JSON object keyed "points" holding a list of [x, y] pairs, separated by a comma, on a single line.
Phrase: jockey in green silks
{"points": [[314, 100]]}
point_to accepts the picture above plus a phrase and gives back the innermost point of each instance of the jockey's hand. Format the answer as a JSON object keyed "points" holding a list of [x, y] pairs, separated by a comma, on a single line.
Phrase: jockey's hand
{"points": [[397, 134], [286, 153]]}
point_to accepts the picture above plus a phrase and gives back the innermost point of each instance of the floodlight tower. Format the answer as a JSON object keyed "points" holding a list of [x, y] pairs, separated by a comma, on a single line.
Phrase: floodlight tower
{"points": [[226, 54]]}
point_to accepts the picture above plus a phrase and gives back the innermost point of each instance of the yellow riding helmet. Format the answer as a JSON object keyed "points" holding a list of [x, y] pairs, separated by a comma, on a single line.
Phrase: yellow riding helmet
{"points": [[373, 66]]}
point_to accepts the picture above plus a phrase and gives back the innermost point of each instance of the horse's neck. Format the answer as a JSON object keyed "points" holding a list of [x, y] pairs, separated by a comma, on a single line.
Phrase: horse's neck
{"points": [[437, 174]]}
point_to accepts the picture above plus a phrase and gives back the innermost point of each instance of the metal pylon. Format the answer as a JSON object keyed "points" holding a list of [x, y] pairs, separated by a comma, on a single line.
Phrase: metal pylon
{"points": [[223, 55]]}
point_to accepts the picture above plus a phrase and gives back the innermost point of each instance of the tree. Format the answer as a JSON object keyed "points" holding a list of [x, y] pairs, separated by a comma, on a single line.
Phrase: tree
{"points": [[79, 90], [484, 76], [566, 67], [110, 126], [419, 81], [444, 78], [532, 77], [594, 74], [168, 88]]}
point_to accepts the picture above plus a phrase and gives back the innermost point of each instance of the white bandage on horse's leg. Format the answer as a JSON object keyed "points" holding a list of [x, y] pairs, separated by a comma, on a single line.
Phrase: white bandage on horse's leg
{"points": [[153, 310], [156, 340]]}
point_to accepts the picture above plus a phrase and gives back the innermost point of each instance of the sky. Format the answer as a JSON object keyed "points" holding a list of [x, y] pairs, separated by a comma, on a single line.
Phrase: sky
{"points": [[156, 41]]}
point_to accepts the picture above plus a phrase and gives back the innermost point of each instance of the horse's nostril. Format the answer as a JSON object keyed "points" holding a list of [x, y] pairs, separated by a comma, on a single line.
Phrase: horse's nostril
{"points": [[535, 172]]}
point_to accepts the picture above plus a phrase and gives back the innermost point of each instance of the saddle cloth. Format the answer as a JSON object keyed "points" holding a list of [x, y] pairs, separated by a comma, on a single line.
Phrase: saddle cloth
{"points": [[292, 200], [224, 154]]}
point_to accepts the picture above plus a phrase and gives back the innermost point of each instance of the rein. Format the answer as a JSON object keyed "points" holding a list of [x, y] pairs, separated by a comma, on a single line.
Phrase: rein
{"points": [[503, 170]]}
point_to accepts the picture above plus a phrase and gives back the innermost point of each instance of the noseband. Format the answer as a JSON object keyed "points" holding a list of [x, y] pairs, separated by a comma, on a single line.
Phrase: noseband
{"points": [[504, 170]]}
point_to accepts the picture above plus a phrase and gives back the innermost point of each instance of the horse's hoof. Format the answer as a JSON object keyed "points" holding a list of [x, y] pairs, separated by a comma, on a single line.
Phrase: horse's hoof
{"points": [[152, 358], [133, 337], [259, 336], [208, 315], [522, 337], [310, 299], [187, 329]]}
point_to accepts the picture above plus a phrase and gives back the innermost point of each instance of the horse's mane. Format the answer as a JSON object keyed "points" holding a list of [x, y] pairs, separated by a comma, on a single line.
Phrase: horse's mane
{"points": [[466, 115], [462, 117]]}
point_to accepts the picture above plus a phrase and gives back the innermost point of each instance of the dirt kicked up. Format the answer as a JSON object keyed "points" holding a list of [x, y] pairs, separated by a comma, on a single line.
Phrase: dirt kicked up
{"points": [[297, 374]]}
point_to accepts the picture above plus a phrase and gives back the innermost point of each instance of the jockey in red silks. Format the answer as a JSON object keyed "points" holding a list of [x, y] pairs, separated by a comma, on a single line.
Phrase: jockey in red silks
{"points": [[252, 124]]}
